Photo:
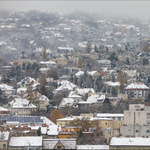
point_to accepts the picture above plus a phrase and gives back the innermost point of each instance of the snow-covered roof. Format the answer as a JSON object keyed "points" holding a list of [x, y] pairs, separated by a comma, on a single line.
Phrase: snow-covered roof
{"points": [[42, 97], [96, 98], [67, 143], [137, 85], [43, 130], [6, 87], [3, 109], [75, 96], [112, 83], [109, 115], [19, 90], [84, 102], [28, 79], [98, 147], [48, 62], [52, 130], [44, 69], [21, 103], [25, 25], [26, 141], [124, 141], [11, 48], [80, 73], [66, 48], [66, 85], [66, 102], [73, 118], [4, 135], [2, 43], [83, 91], [47, 121]]}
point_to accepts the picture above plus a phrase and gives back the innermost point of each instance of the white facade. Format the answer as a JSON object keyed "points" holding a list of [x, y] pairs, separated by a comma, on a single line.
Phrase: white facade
{"points": [[135, 130], [137, 114]]}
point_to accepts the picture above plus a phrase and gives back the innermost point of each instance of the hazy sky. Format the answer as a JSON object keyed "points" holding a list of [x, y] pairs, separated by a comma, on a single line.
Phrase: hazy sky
{"points": [[127, 7]]}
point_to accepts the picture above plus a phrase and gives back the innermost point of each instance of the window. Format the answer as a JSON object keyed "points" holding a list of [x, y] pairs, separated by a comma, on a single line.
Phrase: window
{"points": [[4, 145], [147, 131], [58, 147], [119, 118], [137, 131], [105, 123]]}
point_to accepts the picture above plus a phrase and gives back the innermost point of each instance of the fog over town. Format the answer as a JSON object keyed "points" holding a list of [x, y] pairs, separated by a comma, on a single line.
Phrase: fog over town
{"points": [[74, 75]]}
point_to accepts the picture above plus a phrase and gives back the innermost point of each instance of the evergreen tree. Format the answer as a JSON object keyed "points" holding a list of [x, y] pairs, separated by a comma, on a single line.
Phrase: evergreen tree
{"points": [[39, 132], [113, 78], [80, 81], [95, 49], [98, 84], [113, 57], [75, 80], [23, 66], [71, 78], [88, 47], [114, 91], [127, 61], [28, 67]]}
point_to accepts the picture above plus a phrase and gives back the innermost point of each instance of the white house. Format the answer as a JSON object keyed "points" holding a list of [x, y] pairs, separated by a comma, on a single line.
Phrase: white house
{"points": [[137, 90], [66, 102], [7, 89], [65, 85], [21, 107], [48, 64]]}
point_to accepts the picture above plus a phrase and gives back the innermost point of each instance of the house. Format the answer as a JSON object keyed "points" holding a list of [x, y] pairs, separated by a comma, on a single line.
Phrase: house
{"points": [[126, 143], [137, 114], [135, 130], [77, 98], [96, 99], [23, 83], [118, 119], [48, 64], [94, 74], [137, 90], [4, 111], [49, 131], [66, 102], [7, 89], [67, 120], [41, 101], [65, 86], [49, 144], [93, 147], [21, 61], [60, 61], [71, 70], [74, 130], [26, 142], [4, 140], [21, 107], [104, 63], [83, 91]]}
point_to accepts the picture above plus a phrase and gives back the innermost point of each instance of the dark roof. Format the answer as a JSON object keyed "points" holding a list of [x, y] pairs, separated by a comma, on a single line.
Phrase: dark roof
{"points": [[23, 119]]}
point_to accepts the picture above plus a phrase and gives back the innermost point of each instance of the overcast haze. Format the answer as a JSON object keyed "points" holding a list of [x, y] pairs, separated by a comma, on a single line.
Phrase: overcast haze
{"points": [[125, 8]]}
